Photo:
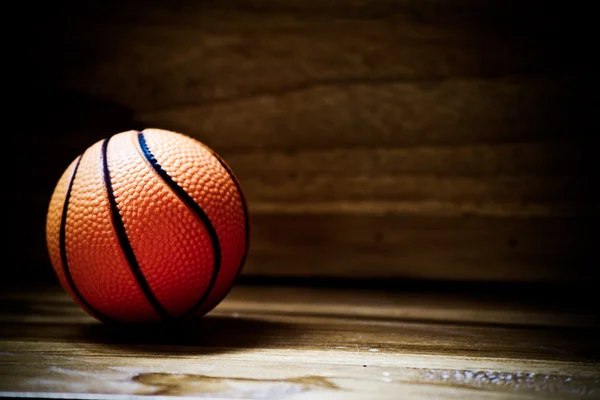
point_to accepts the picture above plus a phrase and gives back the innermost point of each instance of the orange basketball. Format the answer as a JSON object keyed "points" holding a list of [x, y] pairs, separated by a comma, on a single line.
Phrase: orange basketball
{"points": [[147, 226]]}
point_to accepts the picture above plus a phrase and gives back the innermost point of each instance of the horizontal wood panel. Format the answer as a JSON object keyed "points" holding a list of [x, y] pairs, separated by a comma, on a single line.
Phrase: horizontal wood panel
{"points": [[467, 248], [535, 158], [153, 57], [320, 187], [461, 111]]}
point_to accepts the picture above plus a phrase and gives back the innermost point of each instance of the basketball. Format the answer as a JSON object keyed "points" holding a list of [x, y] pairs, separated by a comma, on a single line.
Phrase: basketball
{"points": [[147, 226]]}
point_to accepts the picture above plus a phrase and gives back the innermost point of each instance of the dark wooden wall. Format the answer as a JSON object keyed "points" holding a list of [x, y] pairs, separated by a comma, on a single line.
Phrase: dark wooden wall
{"points": [[376, 138]]}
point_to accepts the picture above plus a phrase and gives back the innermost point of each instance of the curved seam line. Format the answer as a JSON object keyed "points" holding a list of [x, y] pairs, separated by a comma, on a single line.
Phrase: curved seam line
{"points": [[63, 248], [246, 218], [125, 243], [189, 201]]}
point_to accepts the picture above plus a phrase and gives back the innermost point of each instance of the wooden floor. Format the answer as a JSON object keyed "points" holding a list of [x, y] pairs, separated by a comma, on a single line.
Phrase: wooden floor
{"points": [[284, 342]]}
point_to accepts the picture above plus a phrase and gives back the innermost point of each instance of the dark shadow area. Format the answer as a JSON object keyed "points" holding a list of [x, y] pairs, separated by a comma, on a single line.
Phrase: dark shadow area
{"points": [[210, 334], [551, 49], [61, 125], [45, 313]]}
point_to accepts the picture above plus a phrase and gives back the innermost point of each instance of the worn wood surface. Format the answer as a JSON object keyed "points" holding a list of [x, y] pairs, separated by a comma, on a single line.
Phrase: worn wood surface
{"points": [[278, 342], [421, 119]]}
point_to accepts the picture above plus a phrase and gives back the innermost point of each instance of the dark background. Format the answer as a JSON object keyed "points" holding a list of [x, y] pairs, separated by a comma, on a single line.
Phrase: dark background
{"points": [[430, 140]]}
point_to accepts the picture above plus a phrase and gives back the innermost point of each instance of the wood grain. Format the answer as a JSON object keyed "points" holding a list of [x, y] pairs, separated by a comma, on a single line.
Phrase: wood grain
{"points": [[339, 118], [294, 342], [406, 246]]}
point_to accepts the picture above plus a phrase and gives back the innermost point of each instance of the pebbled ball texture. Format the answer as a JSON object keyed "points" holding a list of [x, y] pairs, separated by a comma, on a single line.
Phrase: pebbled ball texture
{"points": [[147, 226]]}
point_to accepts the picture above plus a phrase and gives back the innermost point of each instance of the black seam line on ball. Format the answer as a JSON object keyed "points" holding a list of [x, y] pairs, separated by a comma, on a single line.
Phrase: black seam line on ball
{"points": [[246, 219], [189, 201], [124, 241], [63, 249]]}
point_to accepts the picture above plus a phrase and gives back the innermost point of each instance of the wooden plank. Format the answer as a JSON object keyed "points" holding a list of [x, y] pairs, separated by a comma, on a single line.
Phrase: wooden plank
{"points": [[386, 246], [226, 50], [503, 195], [272, 74], [535, 158], [278, 342], [454, 111]]}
